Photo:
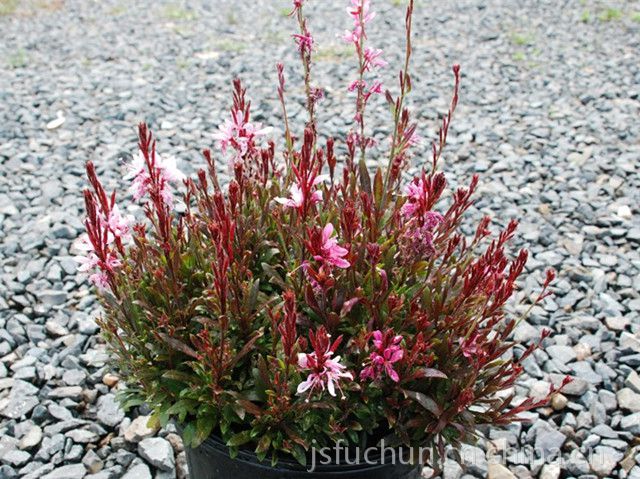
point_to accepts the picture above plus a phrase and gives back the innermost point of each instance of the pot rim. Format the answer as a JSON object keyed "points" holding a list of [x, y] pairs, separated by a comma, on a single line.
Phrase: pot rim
{"points": [[215, 444]]}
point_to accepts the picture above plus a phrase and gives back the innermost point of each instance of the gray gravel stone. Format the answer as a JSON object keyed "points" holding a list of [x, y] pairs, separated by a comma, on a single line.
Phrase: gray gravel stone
{"points": [[69, 392], [21, 400], [109, 411], [562, 354], [608, 400], [550, 471], [629, 400], [604, 460], [31, 438], [548, 440], [631, 423], [82, 436], [74, 377], [138, 430], [138, 471], [71, 471], [92, 462], [633, 381], [59, 412], [158, 452], [474, 460], [498, 471], [15, 458], [577, 464], [577, 387]]}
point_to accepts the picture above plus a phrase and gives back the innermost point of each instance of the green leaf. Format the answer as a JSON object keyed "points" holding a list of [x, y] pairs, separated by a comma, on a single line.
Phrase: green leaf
{"points": [[127, 402], [365, 179], [273, 275], [176, 387], [181, 408], [253, 296], [133, 403], [204, 426], [179, 376], [248, 347], [239, 410], [177, 345], [233, 452], [154, 421], [165, 417], [261, 455], [299, 454], [269, 254], [229, 413], [239, 439], [377, 186], [189, 433], [263, 444]]}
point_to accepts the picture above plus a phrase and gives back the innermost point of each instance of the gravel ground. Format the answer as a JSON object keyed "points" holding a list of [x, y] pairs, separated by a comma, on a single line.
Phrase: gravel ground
{"points": [[549, 113]]}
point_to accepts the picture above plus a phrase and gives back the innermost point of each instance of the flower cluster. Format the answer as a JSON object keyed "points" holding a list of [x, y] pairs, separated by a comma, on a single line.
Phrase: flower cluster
{"points": [[100, 269], [326, 370], [238, 133], [146, 172], [324, 247], [387, 352], [369, 59], [108, 232], [309, 299], [304, 192], [360, 12]]}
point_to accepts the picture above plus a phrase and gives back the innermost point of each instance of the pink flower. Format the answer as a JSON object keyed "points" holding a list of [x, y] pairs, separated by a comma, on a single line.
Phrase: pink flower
{"points": [[471, 349], [376, 88], [317, 94], [417, 203], [388, 351], [305, 42], [297, 196], [324, 247], [226, 135], [296, 199], [414, 139], [332, 373], [361, 15], [361, 8], [415, 193], [239, 134], [416, 241], [352, 36], [91, 262], [119, 226], [100, 280], [326, 370], [372, 58], [167, 172], [355, 84], [88, 261]]}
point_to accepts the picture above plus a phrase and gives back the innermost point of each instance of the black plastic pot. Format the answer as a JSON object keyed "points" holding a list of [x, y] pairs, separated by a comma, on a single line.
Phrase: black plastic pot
{"points": [[211, 460]]}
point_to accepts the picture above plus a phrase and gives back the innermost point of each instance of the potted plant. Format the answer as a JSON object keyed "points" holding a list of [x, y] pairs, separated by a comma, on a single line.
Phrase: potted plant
{"points": [[310, 304]]}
